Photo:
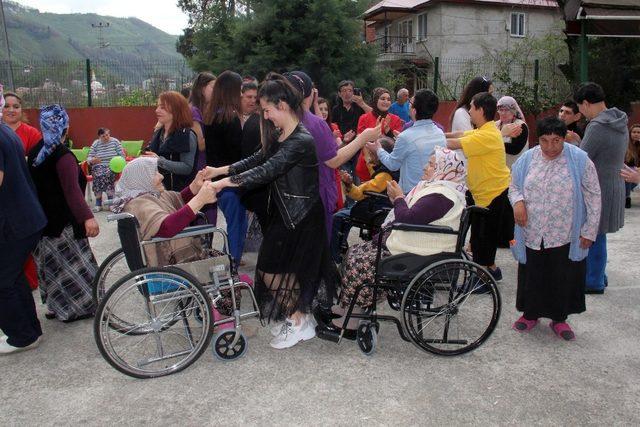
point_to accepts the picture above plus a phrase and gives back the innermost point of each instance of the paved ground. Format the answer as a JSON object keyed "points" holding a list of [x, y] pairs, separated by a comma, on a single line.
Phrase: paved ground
{"points": [[512, 379]]}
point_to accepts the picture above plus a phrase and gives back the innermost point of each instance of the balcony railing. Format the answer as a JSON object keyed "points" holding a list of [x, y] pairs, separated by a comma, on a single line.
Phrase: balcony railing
{"points": [[395, 46]]}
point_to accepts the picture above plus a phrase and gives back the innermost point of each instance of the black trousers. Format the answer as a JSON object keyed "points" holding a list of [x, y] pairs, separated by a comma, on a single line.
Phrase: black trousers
{"points": [[18, 318], [492, 230]]}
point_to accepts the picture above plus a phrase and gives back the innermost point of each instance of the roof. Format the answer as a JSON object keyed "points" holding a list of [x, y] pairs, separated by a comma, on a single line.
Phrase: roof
{"points": [[608, 18], [400, 7]]}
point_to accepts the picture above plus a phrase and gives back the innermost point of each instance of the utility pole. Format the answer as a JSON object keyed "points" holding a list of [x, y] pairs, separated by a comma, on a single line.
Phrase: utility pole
{"points": [[6, 41], [101, 26]]}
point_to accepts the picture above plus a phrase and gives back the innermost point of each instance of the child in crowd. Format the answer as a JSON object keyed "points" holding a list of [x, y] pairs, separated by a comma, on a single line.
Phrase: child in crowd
{"points": [[102, 151]]}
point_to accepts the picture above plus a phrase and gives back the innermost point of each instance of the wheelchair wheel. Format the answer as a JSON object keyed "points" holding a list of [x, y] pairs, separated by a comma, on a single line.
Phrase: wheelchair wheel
{"points": [[367, 337], [222, 345], [112, 268], [160, 335], [451, 307]]}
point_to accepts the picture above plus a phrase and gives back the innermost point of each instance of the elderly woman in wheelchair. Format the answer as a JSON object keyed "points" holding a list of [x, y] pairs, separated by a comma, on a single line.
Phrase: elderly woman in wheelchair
{"points": [[418, 263], [159, 318]]}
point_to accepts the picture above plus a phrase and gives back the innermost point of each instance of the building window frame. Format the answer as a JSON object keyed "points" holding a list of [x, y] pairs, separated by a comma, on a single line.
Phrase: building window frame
{"points": [[422, 26], [518, 24]]}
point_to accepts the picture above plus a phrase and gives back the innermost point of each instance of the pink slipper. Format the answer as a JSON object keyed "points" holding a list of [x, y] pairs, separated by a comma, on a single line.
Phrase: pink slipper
{"points": [[245, 278], [524, 325], [562, 330]]}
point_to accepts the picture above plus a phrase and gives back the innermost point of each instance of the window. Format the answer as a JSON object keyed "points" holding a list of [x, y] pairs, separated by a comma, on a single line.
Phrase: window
{"points": [[422, 26], [405, 31], [517, 24]]}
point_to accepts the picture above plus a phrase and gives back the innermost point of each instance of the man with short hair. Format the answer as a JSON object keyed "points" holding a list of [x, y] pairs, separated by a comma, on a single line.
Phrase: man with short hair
{"points": [[488, 178], [605, 141], [570, 114], [401, 107], [416, 145], [248, 100]]}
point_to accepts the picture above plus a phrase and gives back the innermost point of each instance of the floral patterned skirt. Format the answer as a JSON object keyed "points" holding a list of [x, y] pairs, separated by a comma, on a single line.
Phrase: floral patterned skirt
{"points": [[359, 269]]}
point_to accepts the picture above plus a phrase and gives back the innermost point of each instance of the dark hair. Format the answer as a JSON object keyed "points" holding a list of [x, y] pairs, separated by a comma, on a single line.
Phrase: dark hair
{"points": [[196, 97], [178, 106], [387, 143], [551, 125], [633, 150], [225, 101], [590, 92], [475, 86], [377, 93], [425, 103], [487, 102], [102, 131], [248, 85], [570, 103], [276, 88], [186, 92], [344, 83], [324, 101]]}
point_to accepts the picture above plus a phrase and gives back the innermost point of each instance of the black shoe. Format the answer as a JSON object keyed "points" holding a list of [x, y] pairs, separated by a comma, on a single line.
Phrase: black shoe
{"points": [[497, 274], [324, 329], [627, 203], [590, 291]]}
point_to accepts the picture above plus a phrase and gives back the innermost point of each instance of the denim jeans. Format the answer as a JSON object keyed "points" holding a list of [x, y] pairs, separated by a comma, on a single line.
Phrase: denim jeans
{"points": [[628, 188], [236, 217], [339, 233], [597, 263]]}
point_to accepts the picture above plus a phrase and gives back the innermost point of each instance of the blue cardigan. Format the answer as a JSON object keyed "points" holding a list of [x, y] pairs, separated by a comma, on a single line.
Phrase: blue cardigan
{"points": [[576, 160]]}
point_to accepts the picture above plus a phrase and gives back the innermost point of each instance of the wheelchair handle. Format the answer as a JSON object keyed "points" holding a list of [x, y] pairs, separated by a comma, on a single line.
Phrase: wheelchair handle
{"points": [[437, 229], [374, 194]]}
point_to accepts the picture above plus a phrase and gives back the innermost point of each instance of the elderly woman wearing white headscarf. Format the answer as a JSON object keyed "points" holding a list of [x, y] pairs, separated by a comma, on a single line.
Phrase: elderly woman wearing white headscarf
{"points": [[515, 132], [160, 213], [438, 199], [66, 264]]}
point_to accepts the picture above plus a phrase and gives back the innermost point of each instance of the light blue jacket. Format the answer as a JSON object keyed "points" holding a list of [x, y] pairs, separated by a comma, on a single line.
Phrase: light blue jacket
{"points": [[411, 152], [576, 160]]}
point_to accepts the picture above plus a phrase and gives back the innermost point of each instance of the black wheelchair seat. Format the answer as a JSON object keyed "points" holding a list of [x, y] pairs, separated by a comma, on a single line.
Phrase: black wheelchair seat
{"points": [[404, 267]]}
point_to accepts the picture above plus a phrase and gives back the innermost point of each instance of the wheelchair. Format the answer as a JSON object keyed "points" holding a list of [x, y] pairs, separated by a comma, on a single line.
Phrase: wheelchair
{"points": [[155, 321], [448, 304]]}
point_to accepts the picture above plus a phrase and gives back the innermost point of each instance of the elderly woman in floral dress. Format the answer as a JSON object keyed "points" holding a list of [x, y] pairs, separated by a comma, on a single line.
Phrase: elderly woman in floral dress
{"points": [[556, 203]]}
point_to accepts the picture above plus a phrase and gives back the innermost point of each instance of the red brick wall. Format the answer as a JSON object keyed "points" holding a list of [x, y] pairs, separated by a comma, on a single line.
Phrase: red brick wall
{"points": [[125, 123]]}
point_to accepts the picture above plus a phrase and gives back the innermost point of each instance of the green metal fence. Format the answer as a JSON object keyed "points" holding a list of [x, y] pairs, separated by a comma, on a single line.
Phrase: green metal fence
{"points": [[85, 82]]}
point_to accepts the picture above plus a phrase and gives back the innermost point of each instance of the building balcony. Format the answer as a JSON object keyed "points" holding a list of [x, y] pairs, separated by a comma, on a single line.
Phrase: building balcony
{"points": [[394, 48]]}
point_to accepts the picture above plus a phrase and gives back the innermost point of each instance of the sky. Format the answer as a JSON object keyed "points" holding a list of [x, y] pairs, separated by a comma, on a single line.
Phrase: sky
{"points": [[163, 14]]}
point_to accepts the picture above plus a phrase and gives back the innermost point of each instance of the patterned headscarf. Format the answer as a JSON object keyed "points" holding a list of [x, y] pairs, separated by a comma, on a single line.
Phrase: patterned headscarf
{"points": [[450, 171], [136, 180], [53, 122], [1, 100], [512, 105]]}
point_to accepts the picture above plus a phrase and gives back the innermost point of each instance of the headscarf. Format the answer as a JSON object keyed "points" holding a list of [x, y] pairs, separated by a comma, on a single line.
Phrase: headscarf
{"points": [[450, 171], [136, 180], [512, 105], [53, 122], [1, 100]]}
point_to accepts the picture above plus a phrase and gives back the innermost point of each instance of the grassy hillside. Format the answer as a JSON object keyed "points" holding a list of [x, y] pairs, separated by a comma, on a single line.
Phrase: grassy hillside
{"points": [[48, 36]]}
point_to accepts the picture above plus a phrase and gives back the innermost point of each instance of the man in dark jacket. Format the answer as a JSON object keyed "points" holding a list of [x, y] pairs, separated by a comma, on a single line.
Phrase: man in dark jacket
{"points": [[605, 141]]}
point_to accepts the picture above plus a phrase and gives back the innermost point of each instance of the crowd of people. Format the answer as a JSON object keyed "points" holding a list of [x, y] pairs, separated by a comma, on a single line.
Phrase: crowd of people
{"points": [[285, 166]]}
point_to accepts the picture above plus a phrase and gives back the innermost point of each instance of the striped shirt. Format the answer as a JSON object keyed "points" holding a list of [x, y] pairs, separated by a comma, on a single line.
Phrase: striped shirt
{"points": [[105, 151]]}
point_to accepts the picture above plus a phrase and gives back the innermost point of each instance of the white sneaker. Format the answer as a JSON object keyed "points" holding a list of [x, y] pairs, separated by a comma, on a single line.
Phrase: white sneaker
{"points": [[6, 348], [311, 321], [291, 335], [275, 329], [96, 209]]}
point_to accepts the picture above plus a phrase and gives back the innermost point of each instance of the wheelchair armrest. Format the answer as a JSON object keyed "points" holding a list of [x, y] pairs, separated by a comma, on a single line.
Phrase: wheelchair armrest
{"points": [[196, 230], [116, 217], [437, 229], [374, 194]]}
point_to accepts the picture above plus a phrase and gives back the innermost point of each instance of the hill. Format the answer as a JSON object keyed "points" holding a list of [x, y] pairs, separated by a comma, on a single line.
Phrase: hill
{"points": [[48, 36]]}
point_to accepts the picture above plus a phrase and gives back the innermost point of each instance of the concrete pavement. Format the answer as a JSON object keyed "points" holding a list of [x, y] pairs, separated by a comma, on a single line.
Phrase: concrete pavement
{"points": [[519, 379]]}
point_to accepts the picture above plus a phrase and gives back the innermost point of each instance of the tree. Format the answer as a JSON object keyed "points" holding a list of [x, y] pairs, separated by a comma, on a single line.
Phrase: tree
{"points": [[321, 37]]}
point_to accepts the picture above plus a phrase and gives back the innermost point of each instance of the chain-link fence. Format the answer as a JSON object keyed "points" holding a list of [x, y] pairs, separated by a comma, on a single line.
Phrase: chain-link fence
{"points": [[81, 83], [534, 83]]}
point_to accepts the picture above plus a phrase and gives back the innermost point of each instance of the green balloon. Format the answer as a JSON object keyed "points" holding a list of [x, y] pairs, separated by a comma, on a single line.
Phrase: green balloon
{"points": [[117, 164]]}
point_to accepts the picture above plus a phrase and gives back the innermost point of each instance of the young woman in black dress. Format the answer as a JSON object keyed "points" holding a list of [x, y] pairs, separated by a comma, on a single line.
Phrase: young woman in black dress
{"points": [[294, 258]]}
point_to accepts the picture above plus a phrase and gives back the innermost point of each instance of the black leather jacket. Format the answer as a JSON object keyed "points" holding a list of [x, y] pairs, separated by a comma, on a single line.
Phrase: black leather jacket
{"points": [[291, 169]]}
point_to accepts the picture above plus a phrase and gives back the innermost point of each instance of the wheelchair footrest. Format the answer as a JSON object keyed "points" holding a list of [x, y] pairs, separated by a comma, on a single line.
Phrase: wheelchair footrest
{"points": [[328, 335]]}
